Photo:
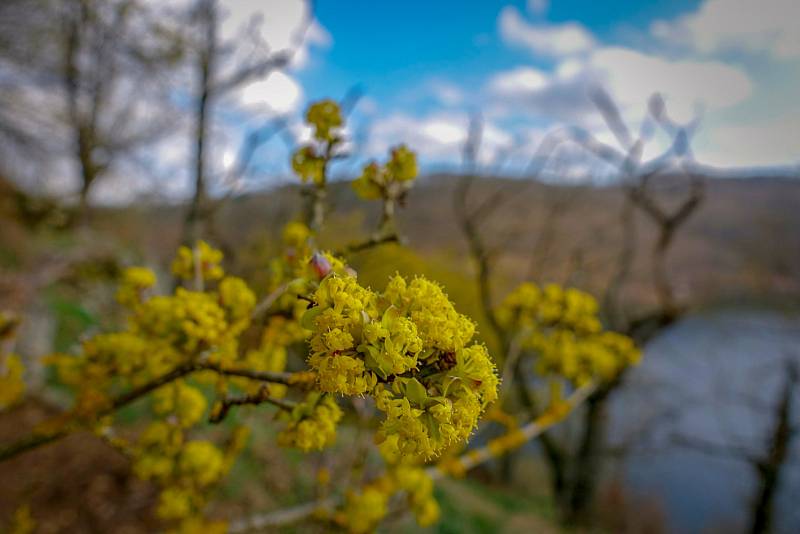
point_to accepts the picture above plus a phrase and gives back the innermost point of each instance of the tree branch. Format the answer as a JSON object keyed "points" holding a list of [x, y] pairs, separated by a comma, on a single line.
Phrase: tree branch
{"points": [[38, 439], [260, 397], [458, 466]]}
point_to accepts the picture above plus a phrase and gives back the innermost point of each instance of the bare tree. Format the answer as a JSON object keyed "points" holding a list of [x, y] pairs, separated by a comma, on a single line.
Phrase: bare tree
{"points": [[84, 82], [208, 50], [575, 465], [770, 462]]}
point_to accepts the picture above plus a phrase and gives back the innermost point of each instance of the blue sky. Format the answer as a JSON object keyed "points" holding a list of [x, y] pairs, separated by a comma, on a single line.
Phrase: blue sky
{"points": [[527, 67], [386, 45]]}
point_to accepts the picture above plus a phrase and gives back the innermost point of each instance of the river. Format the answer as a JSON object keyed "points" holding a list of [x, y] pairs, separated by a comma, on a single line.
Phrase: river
{"points": [[715, 378]]}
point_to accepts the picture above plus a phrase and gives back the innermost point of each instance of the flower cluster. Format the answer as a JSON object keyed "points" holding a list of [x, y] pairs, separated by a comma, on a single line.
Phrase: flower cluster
{"points": [[311, 424], [364, 509], [292, 275], [309, 165], [562, 327], [185, 469], [135, 282], [163, 333], [600, 357], [296, 236], [531, 308], [326, 118], [389, 181], [309, 162], [12, 383], [202, 260], [408, 348]]}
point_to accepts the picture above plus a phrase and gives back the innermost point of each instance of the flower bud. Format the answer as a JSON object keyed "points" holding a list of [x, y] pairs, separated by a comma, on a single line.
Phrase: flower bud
{"points": [[320, 264]]}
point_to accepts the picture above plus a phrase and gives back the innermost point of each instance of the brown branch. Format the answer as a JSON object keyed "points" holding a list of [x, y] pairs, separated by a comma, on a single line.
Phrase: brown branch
{"points": [[269, 300], [459, 465], [76, 423], [371, 243], [611, 298], [469, 227], [260, 397], [715, 449]]}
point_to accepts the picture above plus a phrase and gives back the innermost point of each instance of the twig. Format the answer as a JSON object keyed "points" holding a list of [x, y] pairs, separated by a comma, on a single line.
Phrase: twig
{"points": [[42, 438], [372, 242], [261, 396], [286, 516], [269, 300], [515, 439], [465, 462]]}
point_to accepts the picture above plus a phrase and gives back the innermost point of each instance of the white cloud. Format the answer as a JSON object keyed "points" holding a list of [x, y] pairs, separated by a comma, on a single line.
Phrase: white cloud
{"points": [[767, 26], [433, 137], [493, 141], [316, 36], [278, 93], [769, 142], [443, 132], [274, 25], [519, 80], [436, 138], [631, 77], [544, 39], [367, 106], [538, 7], [447, 93]]}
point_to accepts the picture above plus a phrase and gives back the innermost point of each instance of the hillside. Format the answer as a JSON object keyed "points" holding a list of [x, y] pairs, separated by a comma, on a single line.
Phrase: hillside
{"points": [[743, 241]]}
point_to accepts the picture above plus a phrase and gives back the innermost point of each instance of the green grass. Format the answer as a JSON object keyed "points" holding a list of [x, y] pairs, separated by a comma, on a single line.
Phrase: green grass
{"points": [[470, 507]]}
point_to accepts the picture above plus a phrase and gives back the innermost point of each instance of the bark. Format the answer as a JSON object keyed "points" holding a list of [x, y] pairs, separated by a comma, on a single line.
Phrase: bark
{"points": [[770, 470], [587, 463], [196, 216]]}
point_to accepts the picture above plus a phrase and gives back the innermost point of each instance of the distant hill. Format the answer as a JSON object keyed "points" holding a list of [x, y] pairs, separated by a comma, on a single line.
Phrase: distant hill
{"points": [[744, 240]]}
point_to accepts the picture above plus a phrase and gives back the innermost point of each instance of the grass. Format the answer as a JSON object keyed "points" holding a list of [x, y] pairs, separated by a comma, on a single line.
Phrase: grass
{"points": [[470, 507]]}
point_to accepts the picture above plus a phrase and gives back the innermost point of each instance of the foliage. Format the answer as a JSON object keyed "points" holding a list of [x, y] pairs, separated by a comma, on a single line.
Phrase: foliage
{"points": [[12, 384], [563, 328], [211, 345]]}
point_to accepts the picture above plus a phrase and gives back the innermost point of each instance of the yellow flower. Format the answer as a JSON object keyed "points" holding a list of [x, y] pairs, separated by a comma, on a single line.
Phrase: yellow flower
{"points": [[365, 509], [202, 260], [370, 185], [202, 462], [402, 165], [562, 326], [325, 116], [12, 383], [135, 281], [175, 503], [296, 235], [22, 522], [312, 424], [238, 300], [389, 181], [406, 347], [308, 165], [186, 402]]}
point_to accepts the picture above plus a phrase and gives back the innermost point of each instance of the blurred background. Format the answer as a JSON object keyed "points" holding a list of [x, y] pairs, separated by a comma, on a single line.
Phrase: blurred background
{"points": [[645, 152]]}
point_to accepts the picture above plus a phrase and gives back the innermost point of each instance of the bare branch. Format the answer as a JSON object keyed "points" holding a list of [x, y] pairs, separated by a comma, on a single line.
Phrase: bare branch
{"points": [[260, 397]]}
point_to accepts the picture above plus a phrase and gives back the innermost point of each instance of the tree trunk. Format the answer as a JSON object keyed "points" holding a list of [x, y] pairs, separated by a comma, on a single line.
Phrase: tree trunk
{"points": [[84, 209], [555, 457], [770, 469], [587, 464], [195, 217]]}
